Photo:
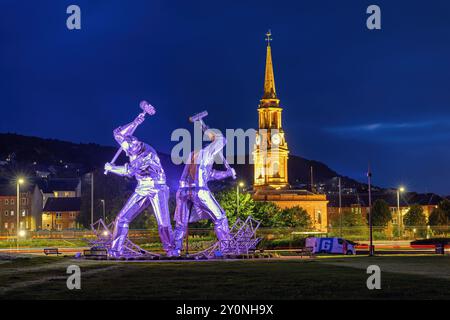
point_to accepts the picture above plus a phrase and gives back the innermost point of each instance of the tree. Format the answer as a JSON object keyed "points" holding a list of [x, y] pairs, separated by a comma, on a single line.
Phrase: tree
{"points": [[349, 219], [444, 205], [381, 214], [293, 218], [438, 217], [227, 200], [265, 212], [415, 216]]}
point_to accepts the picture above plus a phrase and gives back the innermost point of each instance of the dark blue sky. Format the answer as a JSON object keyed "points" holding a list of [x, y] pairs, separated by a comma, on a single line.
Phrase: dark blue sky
{"points": [[350, 95]]}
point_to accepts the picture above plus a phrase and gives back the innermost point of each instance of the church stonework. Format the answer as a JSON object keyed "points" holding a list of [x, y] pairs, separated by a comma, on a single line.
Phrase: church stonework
{"points": [[271, 155]]}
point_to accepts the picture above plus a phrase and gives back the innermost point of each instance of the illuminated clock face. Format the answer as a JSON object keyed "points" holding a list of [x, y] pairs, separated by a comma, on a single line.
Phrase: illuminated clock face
{"points": [[276, 138]]}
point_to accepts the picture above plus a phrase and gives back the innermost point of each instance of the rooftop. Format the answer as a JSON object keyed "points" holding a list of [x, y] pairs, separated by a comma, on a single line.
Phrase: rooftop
{"points": [[62, 204]]}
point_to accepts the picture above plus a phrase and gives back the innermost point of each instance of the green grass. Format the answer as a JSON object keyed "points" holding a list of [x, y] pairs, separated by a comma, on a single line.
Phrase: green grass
{"points": [[38, 243], [403, 277]]}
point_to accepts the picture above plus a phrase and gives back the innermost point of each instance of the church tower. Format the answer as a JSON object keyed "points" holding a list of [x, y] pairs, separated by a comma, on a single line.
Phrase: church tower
{"points": [[271, 151]]}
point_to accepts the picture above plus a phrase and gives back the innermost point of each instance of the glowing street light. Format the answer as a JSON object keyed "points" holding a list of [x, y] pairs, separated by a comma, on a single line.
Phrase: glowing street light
{"points": [[400, 189]]}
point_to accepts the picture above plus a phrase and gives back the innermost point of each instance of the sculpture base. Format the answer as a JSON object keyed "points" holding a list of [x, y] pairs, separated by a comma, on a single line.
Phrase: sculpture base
{"points": [[242, 242]]}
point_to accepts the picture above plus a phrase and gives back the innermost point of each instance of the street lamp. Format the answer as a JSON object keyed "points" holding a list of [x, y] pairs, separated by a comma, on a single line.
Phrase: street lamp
{"points": [[400, 189], [340, 207], [18, 183], [241, 185], [103, 204], [369, 187]]}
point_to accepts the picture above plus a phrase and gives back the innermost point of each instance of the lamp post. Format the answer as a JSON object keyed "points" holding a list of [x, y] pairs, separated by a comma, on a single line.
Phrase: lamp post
{"points": [[18, 183], [340, 208], [369, 180], [92, 198], [103, 205], [239, 185], [399, 217]]}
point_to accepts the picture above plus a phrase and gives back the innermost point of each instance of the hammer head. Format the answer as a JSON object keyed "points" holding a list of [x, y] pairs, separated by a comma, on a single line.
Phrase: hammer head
{"points": [[147, 107], [198, 116]]}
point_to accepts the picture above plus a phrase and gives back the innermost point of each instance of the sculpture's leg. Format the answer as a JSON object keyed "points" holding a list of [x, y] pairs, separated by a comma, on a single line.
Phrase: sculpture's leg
{"points": [[161, 209], [182, 219], [135, 204], [206, 202]]}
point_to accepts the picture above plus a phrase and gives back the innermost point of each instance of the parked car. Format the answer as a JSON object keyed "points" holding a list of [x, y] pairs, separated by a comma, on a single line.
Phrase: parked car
{"points": [[330, 245]]}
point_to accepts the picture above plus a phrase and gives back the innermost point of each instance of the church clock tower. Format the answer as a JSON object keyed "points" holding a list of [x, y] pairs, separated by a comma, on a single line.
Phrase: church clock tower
{"points": [[271, 151]]}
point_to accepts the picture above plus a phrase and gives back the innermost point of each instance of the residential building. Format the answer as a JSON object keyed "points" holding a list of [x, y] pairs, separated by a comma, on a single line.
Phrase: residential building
{"points": [[61, 213]]}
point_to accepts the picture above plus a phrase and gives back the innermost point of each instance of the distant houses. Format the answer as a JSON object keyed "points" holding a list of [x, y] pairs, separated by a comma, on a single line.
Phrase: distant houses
{"points": [[61, 213], [44, 204], [359, 203]]}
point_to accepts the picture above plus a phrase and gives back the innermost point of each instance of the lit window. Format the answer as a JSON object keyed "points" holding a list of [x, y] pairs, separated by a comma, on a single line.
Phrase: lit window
{"points": [[6, 201], [58, 215], [319, 217], [11, 201], [24, 213], [12, 212], [6, 225]]}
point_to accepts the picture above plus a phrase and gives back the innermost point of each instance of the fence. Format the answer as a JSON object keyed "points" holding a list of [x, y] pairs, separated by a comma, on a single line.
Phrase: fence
{"points": [[201, 238]]}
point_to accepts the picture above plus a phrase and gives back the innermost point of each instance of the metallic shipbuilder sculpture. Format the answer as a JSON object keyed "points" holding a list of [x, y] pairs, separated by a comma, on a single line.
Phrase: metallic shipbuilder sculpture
{"points": [[144, 165], [194, 199]]}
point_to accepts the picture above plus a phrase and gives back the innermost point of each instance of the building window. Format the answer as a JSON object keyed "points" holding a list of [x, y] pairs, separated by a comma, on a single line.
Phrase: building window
{"points": [[319, 217], [6, 213], [58, 215], [72, 214], [59, 226], [6, 201], [6, 225], [11, 225], [24, 201], [11, 201], [12, 212]]}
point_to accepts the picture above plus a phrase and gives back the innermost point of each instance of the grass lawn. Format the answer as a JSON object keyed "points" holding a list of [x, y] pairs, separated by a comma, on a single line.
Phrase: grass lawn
{"points": [[403, 277]]}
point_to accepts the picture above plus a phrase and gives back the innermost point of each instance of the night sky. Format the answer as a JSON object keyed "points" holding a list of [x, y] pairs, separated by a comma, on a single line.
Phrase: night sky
{"points": [[350, 95]]}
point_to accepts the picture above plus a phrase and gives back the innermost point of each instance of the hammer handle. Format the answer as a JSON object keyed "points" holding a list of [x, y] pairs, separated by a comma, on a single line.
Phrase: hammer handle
{"points": [[119, 151], [224, 160]]}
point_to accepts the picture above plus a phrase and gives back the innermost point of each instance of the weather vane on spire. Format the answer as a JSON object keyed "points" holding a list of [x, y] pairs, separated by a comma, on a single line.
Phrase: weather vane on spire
{"points": [[268, 37]]}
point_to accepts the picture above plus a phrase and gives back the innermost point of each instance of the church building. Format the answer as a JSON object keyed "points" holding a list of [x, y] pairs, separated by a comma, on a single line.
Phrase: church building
{"points": [[271, 154]]}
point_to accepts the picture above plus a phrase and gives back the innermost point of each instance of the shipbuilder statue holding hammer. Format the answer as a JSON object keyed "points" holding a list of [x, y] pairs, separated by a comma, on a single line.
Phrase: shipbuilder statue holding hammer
{"points": [[194, 199], [144, 165]]}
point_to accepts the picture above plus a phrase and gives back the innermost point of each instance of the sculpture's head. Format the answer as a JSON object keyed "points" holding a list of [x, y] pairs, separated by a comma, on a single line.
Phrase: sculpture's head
{"points": [[131, 145]]}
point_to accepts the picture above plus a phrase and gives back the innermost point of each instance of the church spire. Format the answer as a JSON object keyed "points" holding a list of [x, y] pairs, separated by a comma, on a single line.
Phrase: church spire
{"points": [[269, 80]]}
